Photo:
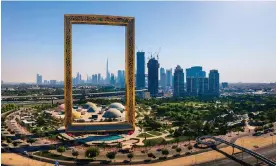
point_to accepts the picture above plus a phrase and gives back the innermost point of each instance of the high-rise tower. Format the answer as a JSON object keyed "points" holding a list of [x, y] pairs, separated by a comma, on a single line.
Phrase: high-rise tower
{"points": [[178, 87], [214, 82], [153, 68], [140, 74], [107, 73]]}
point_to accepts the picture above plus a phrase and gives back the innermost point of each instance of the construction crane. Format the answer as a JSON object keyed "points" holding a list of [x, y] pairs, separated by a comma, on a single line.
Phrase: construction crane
{"points": [[158, 53]]}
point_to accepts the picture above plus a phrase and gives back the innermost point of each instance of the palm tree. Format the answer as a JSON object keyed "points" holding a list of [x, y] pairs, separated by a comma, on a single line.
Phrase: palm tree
{"points": [[119, 146]]}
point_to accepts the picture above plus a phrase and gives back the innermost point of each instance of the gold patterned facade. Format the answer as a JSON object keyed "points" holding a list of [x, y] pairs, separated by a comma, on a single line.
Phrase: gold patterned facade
{"points": [[129, 23]]}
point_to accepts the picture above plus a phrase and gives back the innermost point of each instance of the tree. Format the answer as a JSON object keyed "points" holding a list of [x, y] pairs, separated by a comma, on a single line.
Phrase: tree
{"points": [[92, 152], [119, 145], [61, 149], [9, 140], [165, 152], [75, 153], [103, 145], [130, 156], [111, 155], [15, 144], [164, 142], [178, 150], [31, 141]]}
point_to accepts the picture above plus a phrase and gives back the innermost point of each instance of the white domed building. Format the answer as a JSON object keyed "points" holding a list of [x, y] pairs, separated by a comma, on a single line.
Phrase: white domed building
{"points": [[112, 113], [117, 106], [91, 107]]}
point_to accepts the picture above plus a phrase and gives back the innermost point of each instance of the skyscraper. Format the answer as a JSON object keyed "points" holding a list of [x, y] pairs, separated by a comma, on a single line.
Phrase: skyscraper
{"points": [[203, 86], [107, 73], [140, 74], [99, 78], [195, 78], [38, 79], [195, 71], [214, 82], [112, 79], [162, 77], [189, 85], [169, 77], [178, 90], [153, 68]]}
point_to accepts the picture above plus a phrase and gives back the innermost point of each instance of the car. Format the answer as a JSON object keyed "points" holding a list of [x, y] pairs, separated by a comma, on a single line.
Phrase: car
{"points": [[158, 150], [26, 153], [257, 134], [188, 153]]}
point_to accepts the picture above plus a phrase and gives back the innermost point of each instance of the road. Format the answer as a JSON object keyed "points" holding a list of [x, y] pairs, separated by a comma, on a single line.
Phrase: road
{"points": [[269, 152]]}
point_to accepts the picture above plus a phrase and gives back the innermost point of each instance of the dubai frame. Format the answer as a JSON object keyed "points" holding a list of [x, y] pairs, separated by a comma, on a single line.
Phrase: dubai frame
{"points": [[129, 23]]}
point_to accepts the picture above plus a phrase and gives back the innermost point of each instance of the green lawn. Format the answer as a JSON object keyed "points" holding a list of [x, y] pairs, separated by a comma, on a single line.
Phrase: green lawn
{"points": [[152, 142], [156, 133], [53, 156], [142, 135]]}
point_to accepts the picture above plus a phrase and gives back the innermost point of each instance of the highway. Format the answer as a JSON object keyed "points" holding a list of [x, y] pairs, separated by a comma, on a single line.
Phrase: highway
{"points": [[252, 153], [268, 152], [50, 96]]}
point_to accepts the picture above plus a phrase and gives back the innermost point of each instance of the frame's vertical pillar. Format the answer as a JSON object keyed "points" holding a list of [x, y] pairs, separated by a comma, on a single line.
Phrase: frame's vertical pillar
{"points": [[68, 70], [130, 69]]}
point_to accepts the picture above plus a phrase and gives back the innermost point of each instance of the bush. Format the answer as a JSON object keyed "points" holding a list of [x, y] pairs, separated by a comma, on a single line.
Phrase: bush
{"points": [[61, 149], [111, 155], [75, 153], [178, 150], [190, 147], [174, 146], [165, 152], [92, 152], [31, 140]]}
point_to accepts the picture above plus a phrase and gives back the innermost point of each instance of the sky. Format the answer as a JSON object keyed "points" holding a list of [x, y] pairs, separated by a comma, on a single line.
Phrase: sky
{"points": [[236, 38]]}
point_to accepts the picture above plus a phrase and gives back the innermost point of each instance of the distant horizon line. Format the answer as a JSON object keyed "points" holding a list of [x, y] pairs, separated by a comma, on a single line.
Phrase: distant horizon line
{"points": [[220, 82]]}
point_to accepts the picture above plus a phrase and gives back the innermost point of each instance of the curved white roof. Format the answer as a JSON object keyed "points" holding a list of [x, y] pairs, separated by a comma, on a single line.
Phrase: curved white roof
{"points": [[118, 106], [112, 113]]}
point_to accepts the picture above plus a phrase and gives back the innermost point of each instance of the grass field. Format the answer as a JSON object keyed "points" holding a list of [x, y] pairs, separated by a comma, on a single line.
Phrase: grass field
{"points": [[53, 156], [142, 135], [155, 141], [156, 133]]}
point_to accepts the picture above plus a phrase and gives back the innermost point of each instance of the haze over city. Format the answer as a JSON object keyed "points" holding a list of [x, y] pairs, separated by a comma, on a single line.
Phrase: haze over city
{"points": [[237, 38]]}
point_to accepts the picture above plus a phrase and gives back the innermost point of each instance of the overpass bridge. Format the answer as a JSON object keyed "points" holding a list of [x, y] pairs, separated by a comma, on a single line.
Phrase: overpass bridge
{"points": [[213, 141]]}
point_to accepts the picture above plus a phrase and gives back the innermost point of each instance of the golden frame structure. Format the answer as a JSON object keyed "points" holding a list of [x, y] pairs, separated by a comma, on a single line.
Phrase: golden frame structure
{"points": [[129, 23]]}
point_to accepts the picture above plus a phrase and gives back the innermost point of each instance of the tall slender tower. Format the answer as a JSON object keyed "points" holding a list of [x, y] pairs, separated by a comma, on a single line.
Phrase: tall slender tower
{"points": [[107, 73], [140, 74]]}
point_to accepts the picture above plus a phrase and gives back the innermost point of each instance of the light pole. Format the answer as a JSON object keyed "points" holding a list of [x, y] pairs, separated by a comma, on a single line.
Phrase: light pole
{"points": [[272, 140], [242, 146]]}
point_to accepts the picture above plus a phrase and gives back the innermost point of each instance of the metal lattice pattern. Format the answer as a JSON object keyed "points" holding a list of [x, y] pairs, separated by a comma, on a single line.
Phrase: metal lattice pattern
{"points": [[129, 59]]}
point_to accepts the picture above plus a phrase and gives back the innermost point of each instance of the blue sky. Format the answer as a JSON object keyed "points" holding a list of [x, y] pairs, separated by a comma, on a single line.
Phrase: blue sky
{"points": [[237, 38]]}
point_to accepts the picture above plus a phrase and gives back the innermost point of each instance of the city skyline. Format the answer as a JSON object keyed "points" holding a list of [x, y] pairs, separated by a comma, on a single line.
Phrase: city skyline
{"points": [[237, 39]]}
